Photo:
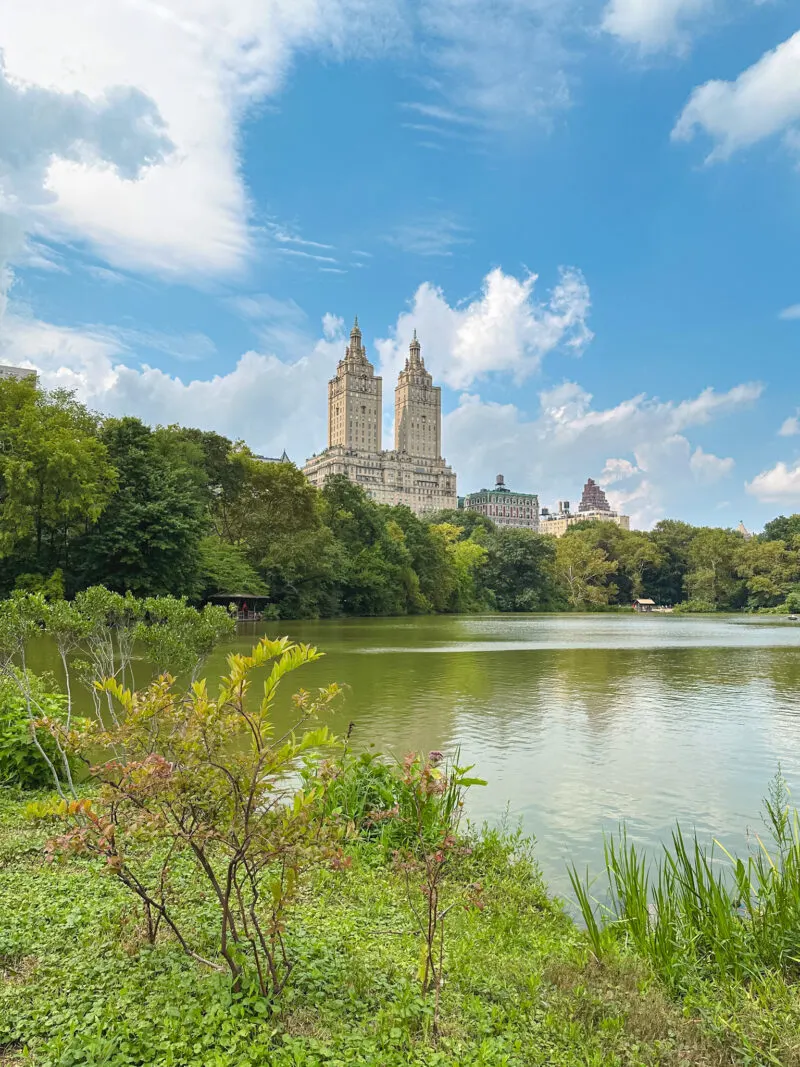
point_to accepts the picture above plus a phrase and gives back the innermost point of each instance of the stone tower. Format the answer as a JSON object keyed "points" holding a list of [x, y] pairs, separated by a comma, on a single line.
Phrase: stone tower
{"points": [[417, 409], [354, 400]]}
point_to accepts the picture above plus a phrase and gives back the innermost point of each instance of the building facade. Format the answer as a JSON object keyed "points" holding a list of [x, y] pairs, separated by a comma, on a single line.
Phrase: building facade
{"points": [[593, 498], [20, 373], [593, 507], [414, 473], [504, 506]]}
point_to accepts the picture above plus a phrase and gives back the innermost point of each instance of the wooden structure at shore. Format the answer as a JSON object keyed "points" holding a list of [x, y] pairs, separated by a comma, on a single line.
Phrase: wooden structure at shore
{"points": [[643, 604], [247, 607]]}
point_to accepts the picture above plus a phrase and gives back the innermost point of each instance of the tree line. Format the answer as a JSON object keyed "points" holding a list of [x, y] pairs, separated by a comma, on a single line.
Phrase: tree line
{"points": [[89, 500]]}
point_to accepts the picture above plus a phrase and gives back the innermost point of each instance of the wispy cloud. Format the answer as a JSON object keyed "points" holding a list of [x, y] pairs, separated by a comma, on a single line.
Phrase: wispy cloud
{"points": [[105, 274], [190, 347], [285, 237], [307, 255], [456, 134], [792, 312], [501, 64], [333, 270], [262, 306], [442, 114], [435, 236]]}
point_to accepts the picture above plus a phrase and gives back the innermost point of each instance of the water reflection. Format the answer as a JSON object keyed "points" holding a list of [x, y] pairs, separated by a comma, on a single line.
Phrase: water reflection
{"points": [[577, 722]]}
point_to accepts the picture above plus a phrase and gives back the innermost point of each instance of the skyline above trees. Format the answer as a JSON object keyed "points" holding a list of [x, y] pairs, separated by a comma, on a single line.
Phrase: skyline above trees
{"points": [[87, 500]]}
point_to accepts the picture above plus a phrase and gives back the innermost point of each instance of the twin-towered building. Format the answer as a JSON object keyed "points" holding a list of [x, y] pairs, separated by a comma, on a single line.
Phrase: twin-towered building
{"points": [[414, 473]]}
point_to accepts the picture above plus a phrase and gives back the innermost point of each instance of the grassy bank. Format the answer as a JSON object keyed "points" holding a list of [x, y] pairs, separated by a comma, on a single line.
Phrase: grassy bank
{"points": [[79, 985]]}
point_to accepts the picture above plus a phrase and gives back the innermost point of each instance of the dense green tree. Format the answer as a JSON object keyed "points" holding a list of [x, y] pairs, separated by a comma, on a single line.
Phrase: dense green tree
{"points": [[519, 569], [261, 503], [147, 539], [465, 520], [55, 477], [224, 568], [636, 555], [377, 575], [673, 539], [712, 579], [429, 559], [782, 529], [770, 569], [467, 559], [583, 572]]}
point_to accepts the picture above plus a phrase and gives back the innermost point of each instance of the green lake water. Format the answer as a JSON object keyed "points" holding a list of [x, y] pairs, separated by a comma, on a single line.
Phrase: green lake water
{"points": [[577, 721]]}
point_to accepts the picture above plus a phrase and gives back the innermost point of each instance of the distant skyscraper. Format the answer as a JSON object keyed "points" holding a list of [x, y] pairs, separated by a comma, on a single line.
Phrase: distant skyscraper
{"points": [[355, 400], [417, 409], [414, 473], [593, 508], [593, 498]]}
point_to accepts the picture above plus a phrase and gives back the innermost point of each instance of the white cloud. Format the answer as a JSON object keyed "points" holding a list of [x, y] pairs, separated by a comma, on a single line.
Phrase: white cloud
{"points": [[504, 329], [273, 404], [639, 443], [652, 24], [790, 313], [780, 485], [708, 468], [618, 470], [119, 130], [201, 62], [790, 427], [762, 102]]}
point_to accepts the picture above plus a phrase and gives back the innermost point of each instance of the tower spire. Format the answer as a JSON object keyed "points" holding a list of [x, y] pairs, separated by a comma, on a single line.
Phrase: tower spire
{"points": [[414, 350], [355, 349]]}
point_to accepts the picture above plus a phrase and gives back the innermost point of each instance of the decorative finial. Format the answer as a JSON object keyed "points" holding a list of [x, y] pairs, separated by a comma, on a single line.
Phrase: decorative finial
{"points": [[415, 333], [414, 350], [355, 323]]}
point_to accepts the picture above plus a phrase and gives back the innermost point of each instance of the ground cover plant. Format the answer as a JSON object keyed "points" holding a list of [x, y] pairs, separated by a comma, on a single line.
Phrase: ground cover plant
{"points": [[80, 983]]}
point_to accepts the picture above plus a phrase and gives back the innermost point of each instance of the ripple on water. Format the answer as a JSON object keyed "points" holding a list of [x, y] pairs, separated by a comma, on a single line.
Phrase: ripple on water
{"points": [[579, 722]]}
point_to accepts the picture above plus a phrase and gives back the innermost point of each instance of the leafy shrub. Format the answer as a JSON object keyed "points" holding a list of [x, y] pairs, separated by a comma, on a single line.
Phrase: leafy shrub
{"points": [[21, 761], [694, 607], [174, 790]]}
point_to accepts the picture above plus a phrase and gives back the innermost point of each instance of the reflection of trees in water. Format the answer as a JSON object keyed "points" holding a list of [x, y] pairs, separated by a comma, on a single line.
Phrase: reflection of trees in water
{"points": [[783, 667], [406, 699]]}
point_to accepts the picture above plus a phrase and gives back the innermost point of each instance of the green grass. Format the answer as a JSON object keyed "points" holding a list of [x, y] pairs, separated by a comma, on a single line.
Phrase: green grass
{"points": [[79, 986], [722, 933]]}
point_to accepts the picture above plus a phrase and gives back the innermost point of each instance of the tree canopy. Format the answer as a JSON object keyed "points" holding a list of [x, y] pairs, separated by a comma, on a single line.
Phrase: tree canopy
{"points": [[177, 511]]}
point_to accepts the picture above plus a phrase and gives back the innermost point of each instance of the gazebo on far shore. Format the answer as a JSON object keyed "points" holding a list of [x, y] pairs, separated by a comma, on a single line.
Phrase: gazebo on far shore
{"points": [[644, 604], [249, 606]]}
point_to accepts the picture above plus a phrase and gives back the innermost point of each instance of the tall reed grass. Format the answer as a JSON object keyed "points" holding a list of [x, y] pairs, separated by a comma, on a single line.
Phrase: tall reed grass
{"points": [[697, 910]]}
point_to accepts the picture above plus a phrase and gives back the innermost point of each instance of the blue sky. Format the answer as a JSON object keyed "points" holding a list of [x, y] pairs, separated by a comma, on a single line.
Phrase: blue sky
{"points": [[590, 212]]}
